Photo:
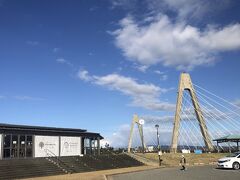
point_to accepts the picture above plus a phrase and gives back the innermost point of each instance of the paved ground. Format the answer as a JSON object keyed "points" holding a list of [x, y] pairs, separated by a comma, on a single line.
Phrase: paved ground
{"points": [[95, 175], [192, 173]]}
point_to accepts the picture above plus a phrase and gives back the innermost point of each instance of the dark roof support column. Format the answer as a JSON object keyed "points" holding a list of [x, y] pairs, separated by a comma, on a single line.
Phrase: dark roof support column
{"points": [[229, 148], [94, 146], [90, 146], [98, 146]]}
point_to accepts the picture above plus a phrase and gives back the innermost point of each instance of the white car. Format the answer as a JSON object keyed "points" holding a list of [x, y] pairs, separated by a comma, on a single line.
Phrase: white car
{"points": [[230, 161]]}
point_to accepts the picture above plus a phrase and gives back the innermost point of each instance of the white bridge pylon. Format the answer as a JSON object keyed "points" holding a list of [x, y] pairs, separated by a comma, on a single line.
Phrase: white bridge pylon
{"points": [[185, 83], [139, 123]]}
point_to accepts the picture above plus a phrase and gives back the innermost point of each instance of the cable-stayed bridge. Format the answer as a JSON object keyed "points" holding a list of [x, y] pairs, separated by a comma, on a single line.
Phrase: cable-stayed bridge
{"points": [[200, 118]]}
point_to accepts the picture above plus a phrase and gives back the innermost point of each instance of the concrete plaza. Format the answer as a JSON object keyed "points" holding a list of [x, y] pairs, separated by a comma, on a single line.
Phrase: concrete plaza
{"points": [[192, 173]]}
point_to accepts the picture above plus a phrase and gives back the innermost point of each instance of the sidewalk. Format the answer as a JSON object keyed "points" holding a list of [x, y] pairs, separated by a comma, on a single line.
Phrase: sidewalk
{"points": [[96, 175]]}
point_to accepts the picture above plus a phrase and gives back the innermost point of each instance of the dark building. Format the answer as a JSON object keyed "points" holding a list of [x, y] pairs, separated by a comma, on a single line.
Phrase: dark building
{"points": [[20, 141]]}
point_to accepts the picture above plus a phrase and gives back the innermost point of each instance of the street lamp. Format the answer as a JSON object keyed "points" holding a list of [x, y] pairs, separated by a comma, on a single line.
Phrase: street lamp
{"points": [[141, 123], [159, 152]]}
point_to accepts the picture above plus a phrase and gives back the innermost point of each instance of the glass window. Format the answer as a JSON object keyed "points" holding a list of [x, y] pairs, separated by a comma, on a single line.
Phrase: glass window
{"points": [[15, 141], [6, 153], [22, 138], [86, 142], [29, 138], [22, 152], [29, 152], [29, 142], [29, 146], [14, 153], [22, 142], [16, 146], [7, 141]]}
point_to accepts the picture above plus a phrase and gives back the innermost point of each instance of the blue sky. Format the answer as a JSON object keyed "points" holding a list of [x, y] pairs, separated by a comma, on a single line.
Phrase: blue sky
{"points": [[93, 64]]}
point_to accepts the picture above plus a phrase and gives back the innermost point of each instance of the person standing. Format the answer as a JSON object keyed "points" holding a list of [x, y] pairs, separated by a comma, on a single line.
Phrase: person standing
{"points": [[183, 163]]}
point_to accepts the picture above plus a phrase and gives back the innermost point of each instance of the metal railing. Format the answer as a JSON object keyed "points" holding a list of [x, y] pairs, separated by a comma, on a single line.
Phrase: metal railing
{"points": [[58, 162]]}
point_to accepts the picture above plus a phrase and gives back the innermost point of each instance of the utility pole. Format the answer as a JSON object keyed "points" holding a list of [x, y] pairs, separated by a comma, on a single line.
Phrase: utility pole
{"points": [[159, 153]]}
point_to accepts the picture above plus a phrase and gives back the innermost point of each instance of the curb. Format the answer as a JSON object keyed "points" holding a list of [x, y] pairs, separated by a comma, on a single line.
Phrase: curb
{"points": [[210, 163], [197, 164], [105, 177]]}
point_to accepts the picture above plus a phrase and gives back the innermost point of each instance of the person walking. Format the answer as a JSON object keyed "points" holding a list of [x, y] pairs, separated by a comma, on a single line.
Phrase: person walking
{"points": [[183, 163]]}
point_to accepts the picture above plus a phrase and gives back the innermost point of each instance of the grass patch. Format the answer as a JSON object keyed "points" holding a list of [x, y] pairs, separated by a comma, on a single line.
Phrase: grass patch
{"points": [[171, 159]]}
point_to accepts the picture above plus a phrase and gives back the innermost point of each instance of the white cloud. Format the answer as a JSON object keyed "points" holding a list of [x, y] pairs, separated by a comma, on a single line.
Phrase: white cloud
{"points": [[190, 9], [237, 102], [209, 114], [64, 61], [188, 114], [61, 60], [55, 50], [90, 54], [142, 94], [164, 77], [180, 9], [141, 68], [29, 98], [154, 119], [83, 75], [119, 69], [121, 136], [94, 8], [33, 43], [23, 98], [103, 142], [159, 72], [174, 44], [126, 4]]}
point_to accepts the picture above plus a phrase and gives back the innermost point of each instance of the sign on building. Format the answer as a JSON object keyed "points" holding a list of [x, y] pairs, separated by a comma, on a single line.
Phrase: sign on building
{"points": [[46, 144], [70, 146]]}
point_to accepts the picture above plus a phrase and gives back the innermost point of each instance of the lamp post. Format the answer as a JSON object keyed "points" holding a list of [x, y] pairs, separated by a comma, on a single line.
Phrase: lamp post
{"points": [[141, 123], [159, 153]]}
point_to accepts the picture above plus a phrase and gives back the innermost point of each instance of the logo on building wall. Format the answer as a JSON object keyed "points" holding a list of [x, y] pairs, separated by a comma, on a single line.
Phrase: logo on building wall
{"points": [[41, 144], [66, 145]]}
